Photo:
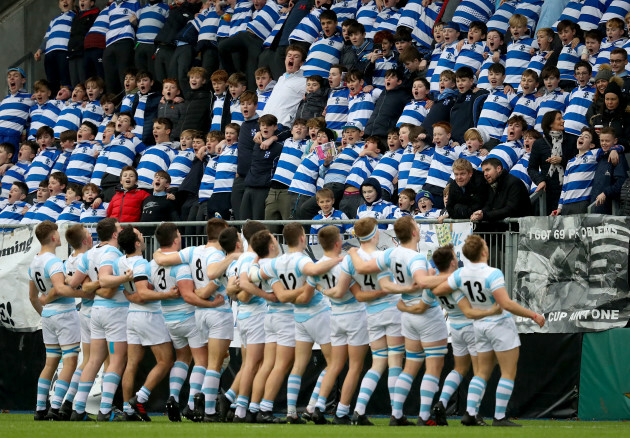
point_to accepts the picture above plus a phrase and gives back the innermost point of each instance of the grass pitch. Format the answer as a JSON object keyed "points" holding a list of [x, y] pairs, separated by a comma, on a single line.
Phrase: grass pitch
{"points": [[23, 426]]}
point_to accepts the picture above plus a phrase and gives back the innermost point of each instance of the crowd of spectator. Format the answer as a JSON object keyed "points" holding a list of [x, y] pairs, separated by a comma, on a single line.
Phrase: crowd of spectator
{"points": [[275, 109]]}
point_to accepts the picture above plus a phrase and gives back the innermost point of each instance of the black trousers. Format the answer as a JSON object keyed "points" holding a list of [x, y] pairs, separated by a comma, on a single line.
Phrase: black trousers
{"points": [[76, 66], [57, 70], [219, 203], [240, 53], [181, 63], [210, 59], [253, 203], [238, 190], [274, 59], [117, 59], [93, 63], [144, 57], [162, 62]]}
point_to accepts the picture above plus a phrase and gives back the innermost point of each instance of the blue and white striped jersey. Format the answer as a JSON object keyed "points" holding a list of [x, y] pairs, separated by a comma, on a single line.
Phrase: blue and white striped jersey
{"points": [[603, 57], [62, 161], [520, 171], [209, 27], [41, 271], [339, 169], [442, 164], [12, 213], [217, 112], [100, 165], [58, 32], [386, 171], [414, 113], [305, 178], [478, 282], [361, 106], [538, 61], [207, 180], [163, 279], [265, 20], [242, 15], [508, 153], [323, 53], [405, 166], [420, 20], [52, 208], [473, 10], [290, 158], [151, 19], [93, 112], [527, 106], [615, 9], [434, 59], [127, 102], [90, 215], [361, 170], [579, 101], [419, 171], [155, 158], [141, 272], [550, 101], [40, 168], [101, 23], [368, 282], [456, 318], [381, 66], [447, 61], [308, 29], [344, 305], [591, 14], [495, 113], [102, 126], [225, 171], [345, 9], [387, 19], [570, 12], [30, 217], [471, 55], [180, 166], [328, 219], [69, 118], [198, 258], [366, 15], [14, 111], [13, 174], [119, 28], [224, 27], [81, 162], [255, 305], [71, 213], [263, 97], [578, 177], [276, 28], [400, 264], [482, 81], [101, 256], [122, 152], [43, 115], [337, 109], [70, 266], [518, 57], [567, 59], [378, 210], [235, 111]]}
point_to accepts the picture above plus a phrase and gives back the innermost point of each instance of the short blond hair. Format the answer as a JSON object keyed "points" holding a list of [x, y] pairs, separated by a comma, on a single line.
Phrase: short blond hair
{"points": [[518, 20], [462, 164], [198, 71], [473, 134]]}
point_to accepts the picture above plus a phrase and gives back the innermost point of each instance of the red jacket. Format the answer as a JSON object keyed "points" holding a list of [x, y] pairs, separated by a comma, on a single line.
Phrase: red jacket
{"points": [[127, 206]]}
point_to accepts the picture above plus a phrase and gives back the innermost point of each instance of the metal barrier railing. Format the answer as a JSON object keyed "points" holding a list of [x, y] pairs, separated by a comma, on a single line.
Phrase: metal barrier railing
{"points": [[539, 199]]}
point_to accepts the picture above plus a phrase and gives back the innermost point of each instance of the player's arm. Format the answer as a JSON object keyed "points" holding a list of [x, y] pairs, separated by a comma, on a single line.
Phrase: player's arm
{"points": [[502, 298], [442, 289], [306, 295], [33, 296], [206, 291], [167, 259], [472, 313], [343, 284], [133, 298], [77, 279], [390, 287], [90, 287], [312, 269], [366, 295], [416, 309], [147, 294], [187, 291], [62, 289], [232, 288], [217, 269], [282, 294], [106, 292], [247, 286], [107, 279], [363, 266], [426, 281]]}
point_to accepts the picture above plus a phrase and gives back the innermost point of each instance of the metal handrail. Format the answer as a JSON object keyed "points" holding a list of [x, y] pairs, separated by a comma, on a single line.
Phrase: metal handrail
{"points": [[541, 197]]}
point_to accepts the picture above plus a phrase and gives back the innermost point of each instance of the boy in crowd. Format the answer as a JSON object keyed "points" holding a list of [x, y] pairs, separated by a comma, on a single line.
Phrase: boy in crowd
{"points": [[246, 145], [462, 110], [416, 110], [220, 106], [386, 171], [553, 97], [145, 107], [354, 56], [93, 111], [278, 204], [448, 57], [424, 201], [326, 201], [511, 150], [180, 166], [497, 108], [197, 102], [382, 59], [609, 178], [337, 104], [237, 84], [264, 87], [13, 212], [107, 103], [158, 207], [42, 164], [615, 29], [592, 43], [31, 213], [220, 203], [15, 106], [314, 101], [441, 109], [443, 159], [131, 90], [473, 51], [519, 52], [55, 204], [67, 141], [16, 172], [92, 211], [157, 157], [262, 168], [374, 204], [325, 50], [579, 100], [45, 111], [80, 164], [544, 38], [126, 204], [411, 59], [362, 168], [72, 211], [569, 54], [527, 103], [360, 102], [71, 111], [170, 106], [494, 40], [406, 203]]}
